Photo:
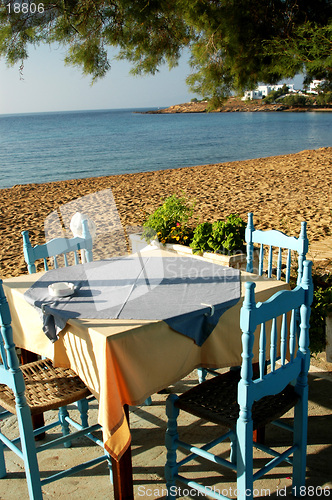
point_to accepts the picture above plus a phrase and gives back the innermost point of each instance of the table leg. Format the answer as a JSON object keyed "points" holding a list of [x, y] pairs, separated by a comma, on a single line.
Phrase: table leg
{"points": [[123, 473], [28, 356], [37, 420]]}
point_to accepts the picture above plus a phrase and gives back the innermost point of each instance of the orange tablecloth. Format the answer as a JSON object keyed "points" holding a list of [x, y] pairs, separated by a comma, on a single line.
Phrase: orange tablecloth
{"points": [[125, 361]]}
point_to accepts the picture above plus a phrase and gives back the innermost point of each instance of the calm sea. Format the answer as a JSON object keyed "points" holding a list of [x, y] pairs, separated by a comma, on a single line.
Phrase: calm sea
{"points": [[43, 147]]}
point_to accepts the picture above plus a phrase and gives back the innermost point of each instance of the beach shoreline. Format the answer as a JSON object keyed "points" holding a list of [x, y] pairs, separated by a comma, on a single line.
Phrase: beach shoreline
{"points": [[281, 191], [234, 104]]}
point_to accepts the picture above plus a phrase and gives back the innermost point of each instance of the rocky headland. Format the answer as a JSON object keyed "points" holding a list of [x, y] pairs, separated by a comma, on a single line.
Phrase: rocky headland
{"points": [[233, 104]]}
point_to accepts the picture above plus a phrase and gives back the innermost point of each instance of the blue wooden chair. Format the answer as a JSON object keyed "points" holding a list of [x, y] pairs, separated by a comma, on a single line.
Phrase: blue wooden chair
{"points": [[275, 241], [271, 241], [242, 403], [53, 249], [32, 389], [56, 247]]}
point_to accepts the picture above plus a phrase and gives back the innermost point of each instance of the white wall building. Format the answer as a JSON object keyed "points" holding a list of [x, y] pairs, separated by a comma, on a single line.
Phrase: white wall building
{"points": [[263, 90], [314, 85]]}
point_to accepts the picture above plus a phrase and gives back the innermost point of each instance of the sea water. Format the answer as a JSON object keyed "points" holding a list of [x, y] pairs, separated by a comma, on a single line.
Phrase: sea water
{"points": [[44, 147]]}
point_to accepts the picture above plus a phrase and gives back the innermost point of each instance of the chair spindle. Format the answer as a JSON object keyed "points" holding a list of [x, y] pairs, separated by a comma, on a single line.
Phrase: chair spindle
{"points": [[262, 349], [273, 344], [283, 339]]}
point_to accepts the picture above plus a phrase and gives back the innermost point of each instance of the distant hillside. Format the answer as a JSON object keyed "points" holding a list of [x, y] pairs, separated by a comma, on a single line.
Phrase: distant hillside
{"points": [[233, 104]]}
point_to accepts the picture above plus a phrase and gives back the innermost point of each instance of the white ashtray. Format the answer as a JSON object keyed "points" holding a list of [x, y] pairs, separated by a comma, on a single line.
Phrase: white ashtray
{"points": [[61, 289]]}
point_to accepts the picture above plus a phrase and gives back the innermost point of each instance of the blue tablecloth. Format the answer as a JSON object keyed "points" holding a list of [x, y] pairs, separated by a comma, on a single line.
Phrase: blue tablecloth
{"points": [[189, 294]]}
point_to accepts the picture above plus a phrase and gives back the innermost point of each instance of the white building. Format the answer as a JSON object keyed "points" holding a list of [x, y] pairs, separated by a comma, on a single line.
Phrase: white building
{"points": [[263, 90], [313, 87]]}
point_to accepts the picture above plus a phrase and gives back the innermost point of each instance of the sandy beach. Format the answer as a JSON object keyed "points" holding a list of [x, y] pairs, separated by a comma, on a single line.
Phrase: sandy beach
{"points": [[281, 191]]}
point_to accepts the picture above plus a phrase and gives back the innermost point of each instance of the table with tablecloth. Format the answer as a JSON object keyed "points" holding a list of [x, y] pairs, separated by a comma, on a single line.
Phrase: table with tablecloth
{"points": [[123, 361]]}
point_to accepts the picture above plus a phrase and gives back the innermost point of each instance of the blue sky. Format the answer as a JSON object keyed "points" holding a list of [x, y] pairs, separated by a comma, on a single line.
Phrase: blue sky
{"points": [[49, 85]]}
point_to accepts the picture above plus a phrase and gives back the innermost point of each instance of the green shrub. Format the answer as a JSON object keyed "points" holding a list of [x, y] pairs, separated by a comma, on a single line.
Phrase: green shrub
{"points": [[324, 99], [202, 234], [297, 100], [274, 94], [228, 236], [321, 305], [220, 236], [170, 221]]}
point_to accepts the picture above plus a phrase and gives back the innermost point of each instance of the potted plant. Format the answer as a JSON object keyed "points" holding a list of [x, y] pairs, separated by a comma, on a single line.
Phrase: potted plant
{"points": [[222, 241], [321, 316], [170, 223], [222, 236]]}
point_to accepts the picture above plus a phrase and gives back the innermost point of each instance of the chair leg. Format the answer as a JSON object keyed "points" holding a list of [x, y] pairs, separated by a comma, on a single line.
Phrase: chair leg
{"points": [[29, 452], [300, 440], [244, 433], [63, 413], [201, 373], [171, 438], [83, 407], [109, 465], [3, 472]]}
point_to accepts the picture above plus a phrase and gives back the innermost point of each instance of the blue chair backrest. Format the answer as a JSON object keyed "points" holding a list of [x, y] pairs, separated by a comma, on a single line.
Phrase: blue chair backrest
{"points": [[278, 316], [279, 240], [10, 373], [56, 247]]}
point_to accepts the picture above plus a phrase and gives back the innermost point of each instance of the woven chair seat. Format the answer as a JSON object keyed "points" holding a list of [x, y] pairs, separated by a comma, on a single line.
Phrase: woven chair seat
{"points": [[46, 387], [216, 401]]}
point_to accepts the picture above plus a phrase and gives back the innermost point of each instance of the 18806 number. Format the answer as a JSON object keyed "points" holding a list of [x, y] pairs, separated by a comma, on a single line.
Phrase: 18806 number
{"points": [[25, 8], [311, 491]]}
